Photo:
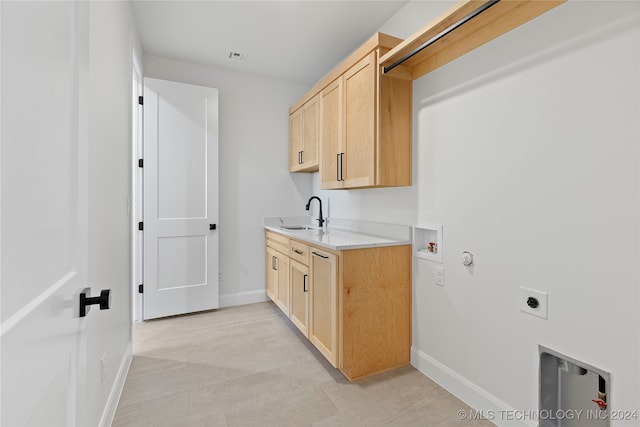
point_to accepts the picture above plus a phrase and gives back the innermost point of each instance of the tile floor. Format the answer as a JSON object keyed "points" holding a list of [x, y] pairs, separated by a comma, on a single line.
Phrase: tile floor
{"points": [[249, 366]]}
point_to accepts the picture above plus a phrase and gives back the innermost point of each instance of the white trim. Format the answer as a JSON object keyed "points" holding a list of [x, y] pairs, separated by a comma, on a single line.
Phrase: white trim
{"points": [[465, 390], [17, 317], [242, 298], [116, 391], [136, 191]]}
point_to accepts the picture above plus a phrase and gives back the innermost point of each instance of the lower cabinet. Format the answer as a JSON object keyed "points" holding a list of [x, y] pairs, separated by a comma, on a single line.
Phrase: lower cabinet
{"points": [[353, 305]]}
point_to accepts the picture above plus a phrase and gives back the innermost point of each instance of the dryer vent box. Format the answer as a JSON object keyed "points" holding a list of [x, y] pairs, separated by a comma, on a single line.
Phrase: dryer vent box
{"points": [[572, 393]]}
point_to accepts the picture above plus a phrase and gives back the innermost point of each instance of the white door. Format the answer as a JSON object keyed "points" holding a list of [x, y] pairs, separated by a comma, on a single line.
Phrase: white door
{"points": [[44, 212], [180, 198]]}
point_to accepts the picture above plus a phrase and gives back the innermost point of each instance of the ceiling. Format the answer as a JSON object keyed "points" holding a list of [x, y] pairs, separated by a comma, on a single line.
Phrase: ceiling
{"points": [[297, 41]]}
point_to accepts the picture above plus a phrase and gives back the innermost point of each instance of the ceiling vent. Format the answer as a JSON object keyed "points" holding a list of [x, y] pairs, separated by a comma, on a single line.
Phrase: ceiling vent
{"points": [[236, 56]]}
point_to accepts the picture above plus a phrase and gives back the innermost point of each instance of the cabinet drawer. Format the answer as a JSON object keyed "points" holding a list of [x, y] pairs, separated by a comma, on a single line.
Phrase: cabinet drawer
{"points": [[277, 242], [299, 252]]}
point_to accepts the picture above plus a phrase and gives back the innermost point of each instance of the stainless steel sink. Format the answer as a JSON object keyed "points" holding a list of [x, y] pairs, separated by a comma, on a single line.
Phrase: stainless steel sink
{"points": [[298, 227]]}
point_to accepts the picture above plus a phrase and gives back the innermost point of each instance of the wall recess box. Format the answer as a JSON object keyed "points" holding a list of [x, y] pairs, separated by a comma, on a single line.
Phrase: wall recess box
{"points": [[427, 242]]}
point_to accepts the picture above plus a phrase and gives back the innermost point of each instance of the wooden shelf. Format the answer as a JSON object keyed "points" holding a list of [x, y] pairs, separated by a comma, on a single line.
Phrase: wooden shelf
{"points": [[496, 20]]}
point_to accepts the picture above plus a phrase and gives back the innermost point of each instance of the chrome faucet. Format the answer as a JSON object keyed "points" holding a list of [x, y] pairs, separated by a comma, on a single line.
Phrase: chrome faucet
{"points": [[320, 219]]}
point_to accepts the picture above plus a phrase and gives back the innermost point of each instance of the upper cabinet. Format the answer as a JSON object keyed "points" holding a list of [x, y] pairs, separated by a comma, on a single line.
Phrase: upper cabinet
{"points": [[348, 140], [304, 137], [354, 125], [364, 122]]}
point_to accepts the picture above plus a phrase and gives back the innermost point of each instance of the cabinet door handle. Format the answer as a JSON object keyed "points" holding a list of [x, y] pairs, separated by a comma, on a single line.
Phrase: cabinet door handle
{"points": [[304, 283], [302, 157], [338, 167], [299, 252], [273, 263], [320, 255], [341, 167]]}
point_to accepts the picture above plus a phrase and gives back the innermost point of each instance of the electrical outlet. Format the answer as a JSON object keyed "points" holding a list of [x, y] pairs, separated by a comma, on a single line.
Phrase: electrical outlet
{"points": [[534, 302]]}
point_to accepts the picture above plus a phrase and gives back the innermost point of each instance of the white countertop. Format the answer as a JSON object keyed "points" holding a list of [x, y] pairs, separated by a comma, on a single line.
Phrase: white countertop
{"points": [[342, 239]]}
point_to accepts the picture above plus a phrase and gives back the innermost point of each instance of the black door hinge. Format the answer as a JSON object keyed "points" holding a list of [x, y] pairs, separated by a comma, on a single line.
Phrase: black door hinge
{"points": [[141, 226], [140, 101], [141, 288], [140, 163]]}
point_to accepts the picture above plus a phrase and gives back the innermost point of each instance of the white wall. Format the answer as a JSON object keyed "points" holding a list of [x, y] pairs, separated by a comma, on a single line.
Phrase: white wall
{"points": [[254, 177], [526, 151]]}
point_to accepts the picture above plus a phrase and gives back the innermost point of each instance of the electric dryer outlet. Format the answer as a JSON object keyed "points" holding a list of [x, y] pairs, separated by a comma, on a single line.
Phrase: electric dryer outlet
{"points": [[534, 302]]}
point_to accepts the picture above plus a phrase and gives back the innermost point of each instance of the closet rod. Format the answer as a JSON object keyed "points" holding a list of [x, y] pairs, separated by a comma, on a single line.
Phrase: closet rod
{"points": [[441, 34]]}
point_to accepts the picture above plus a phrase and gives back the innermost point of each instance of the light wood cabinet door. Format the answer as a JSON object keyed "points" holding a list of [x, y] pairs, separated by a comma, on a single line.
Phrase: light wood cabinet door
{"points": [[304, 136], [323, 315], [331, 135], [295, 140], [310, 133], [359, 124], [271, 276], [282, 267], [277, 278], [299, 275]]}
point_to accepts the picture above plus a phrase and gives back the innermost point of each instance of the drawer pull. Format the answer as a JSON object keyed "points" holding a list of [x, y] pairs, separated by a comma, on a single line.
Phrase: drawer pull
{"points": [[298, 251], [320, 255]]}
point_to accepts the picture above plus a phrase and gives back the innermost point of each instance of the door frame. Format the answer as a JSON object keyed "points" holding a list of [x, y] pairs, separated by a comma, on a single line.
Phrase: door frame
{"points": [[137, 243]]}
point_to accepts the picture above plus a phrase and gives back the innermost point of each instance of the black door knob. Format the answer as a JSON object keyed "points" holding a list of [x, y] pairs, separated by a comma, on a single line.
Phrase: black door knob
{"points": [[104, 300], [212, 226]]}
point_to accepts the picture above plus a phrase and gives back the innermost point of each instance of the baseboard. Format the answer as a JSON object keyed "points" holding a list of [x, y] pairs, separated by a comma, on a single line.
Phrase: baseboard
{"points": [[116, 391], [242, 298], [482, 402]]}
